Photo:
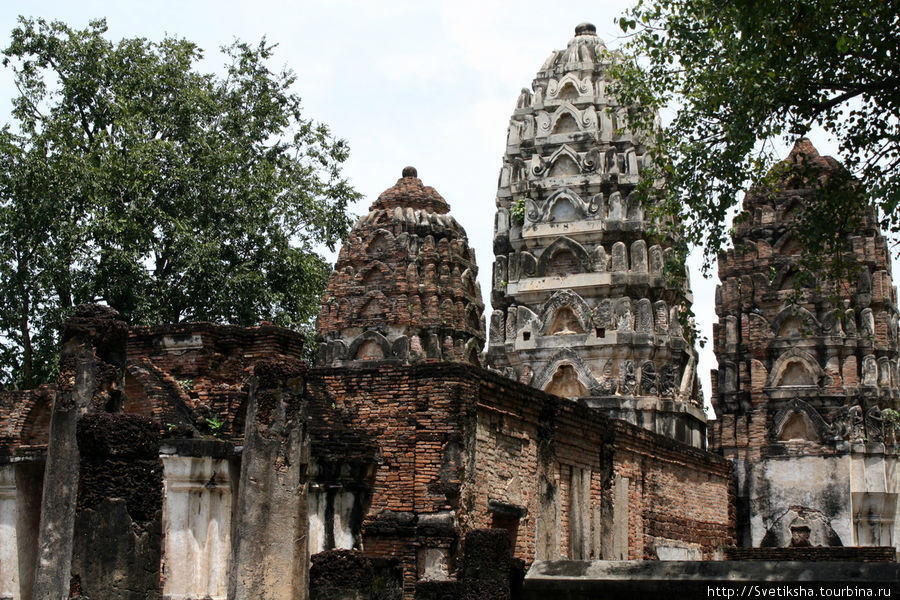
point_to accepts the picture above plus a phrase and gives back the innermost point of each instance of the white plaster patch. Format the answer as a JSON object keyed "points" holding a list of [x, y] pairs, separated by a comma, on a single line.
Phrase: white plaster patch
{"points": [[197, 525]]}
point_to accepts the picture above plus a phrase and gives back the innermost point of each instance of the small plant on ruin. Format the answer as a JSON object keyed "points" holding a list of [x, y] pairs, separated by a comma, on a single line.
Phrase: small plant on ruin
{"points": [[186, 384], [517, 210], [215, 425]]}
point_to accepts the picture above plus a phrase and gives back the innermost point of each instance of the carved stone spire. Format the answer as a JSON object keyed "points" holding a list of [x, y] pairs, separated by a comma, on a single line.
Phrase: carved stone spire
{"points": [[582, 307]]}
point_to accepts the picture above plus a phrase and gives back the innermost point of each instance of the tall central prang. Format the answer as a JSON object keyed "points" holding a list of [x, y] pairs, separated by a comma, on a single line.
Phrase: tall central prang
{"points": [[582, 306]]}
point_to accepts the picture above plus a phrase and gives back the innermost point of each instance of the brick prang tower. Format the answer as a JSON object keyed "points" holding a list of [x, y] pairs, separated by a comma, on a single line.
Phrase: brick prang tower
{"points": [[582, 306], [805, 370], [405, 284]]}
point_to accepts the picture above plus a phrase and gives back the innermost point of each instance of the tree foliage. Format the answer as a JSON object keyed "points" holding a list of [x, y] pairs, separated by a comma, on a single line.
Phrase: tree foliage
{"points": [[130, 178], [746, 74]]}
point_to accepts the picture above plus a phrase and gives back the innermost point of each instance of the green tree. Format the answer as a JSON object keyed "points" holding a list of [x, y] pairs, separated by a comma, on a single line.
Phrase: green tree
{"points": [[130, 178], [744, 74]]}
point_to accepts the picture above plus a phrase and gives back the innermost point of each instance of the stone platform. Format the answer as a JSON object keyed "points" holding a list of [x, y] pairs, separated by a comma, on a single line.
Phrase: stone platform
{"points": [[639, 580]]}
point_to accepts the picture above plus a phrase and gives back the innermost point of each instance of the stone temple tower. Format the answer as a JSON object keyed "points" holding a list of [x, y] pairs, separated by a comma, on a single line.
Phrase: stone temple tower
{"points": [[582, 307], [805, 373], [404, 287]]}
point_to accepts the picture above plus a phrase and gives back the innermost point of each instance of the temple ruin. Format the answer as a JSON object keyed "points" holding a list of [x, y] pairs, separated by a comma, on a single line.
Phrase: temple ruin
{"points": [[206, 461]]}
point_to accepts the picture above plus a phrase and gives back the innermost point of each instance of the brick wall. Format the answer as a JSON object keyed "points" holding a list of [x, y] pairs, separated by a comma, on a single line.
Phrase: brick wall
{"points": [[25, 417], [683, 494], [184, 374], [676, 492], [451, 437]]}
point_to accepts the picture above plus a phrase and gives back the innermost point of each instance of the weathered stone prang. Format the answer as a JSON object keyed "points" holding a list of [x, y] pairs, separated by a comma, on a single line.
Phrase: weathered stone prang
{"points": [[582, 305]]}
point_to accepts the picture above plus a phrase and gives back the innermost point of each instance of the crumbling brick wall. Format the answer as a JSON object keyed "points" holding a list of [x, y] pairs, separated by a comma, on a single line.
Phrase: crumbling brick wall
{"points": [[452, 438], [193, 375], [677, 495], [412, 418], [25, 416]]}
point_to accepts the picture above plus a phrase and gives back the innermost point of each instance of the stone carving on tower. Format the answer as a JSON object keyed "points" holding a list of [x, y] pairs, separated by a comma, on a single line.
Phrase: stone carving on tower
{"points": [[805, 370], [582, 307], [405, 285]]}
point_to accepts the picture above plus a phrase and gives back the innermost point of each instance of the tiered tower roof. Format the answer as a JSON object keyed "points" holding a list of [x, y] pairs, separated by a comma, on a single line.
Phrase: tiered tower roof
{"points": [[805, 365], [404, 286], [582, 307]]}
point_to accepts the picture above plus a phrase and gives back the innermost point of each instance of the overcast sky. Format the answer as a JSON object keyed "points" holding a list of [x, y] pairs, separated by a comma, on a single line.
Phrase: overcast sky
{"points": [[428, 84]]}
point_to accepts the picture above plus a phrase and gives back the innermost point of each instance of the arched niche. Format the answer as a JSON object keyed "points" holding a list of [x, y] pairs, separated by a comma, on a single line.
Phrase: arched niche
{"points": [[563, 206], [800, 526], [369, 350], [371, 307], [565, 356], [796, 373], [380, 243], [796, 322], [568, 88], [792, 327], [797, 427], [564, 166], [563, 211], [374, 274], [565, 383], [382, 217], [576, 261], [562, 263], [559, 312], [568, 91], [369, 345], [788, 246], [564, 162], [795, 368], [565, 322], [567, 123]]}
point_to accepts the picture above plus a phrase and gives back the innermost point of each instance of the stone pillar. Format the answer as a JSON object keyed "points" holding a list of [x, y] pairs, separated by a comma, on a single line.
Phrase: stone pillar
{"points": [[91, 378], [20, 502], [9, 546], [614, 520], [270, 558], [197, 521], [116, 550], [487, 565]]}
